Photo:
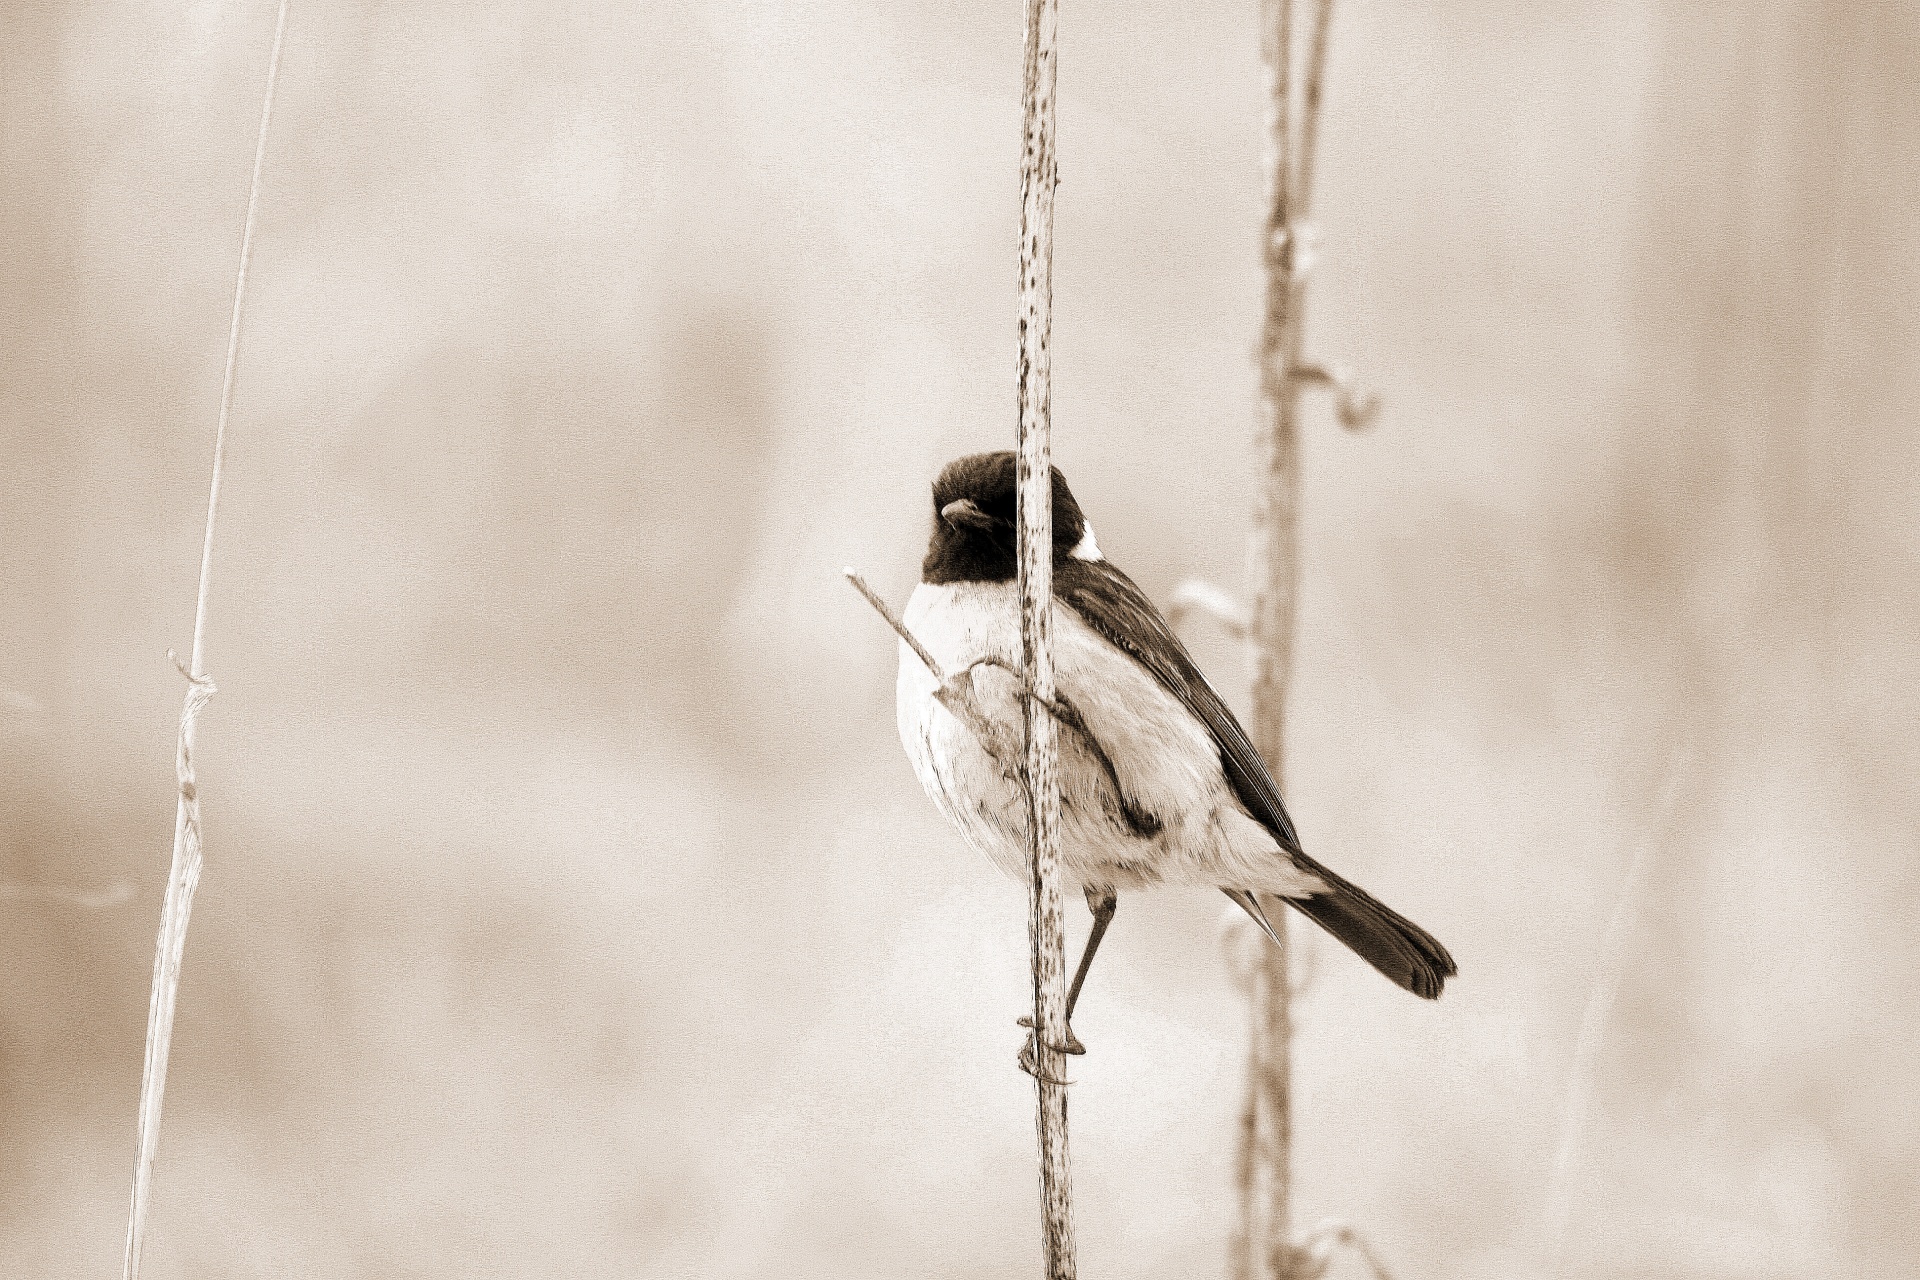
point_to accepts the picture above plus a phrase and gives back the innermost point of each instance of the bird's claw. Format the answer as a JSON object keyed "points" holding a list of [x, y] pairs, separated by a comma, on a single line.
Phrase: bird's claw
{"points": [[1029, 1065], [1072, 1045]]}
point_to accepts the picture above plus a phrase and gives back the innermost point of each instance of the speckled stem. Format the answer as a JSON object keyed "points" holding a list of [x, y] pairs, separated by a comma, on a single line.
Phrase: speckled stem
{"points": [[1047, 916]]}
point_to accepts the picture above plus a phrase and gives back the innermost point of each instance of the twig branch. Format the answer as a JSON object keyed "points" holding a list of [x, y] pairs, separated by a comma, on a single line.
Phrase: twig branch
{"points": [[1266, 1190], [183, 875], [1354, 404], [955, 692], [893, 620], [1325, 1243], [1310, 117], [1061, 710], [1195, 596]]}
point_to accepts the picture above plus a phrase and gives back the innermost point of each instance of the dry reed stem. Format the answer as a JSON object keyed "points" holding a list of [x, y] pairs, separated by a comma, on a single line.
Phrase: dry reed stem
{"points": [[1266, 1193], [183, 874], [1266, 1189], [1310, 116], [1046, 914]]}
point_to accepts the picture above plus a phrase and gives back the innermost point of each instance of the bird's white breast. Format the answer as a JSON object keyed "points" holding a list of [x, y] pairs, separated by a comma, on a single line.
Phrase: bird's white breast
{"points": [[1166, 764], [960, 624]]}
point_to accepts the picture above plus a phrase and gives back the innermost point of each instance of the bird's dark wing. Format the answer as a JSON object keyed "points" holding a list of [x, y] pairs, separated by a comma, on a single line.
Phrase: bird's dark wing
{"points": [[1118, 610], [1112, 605]]}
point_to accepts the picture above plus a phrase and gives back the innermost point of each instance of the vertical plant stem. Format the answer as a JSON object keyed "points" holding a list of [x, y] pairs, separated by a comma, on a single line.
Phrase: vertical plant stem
{"points": [[183, 875], [1310, 116], [1241, 1264], [1047, 918], [1266, 1160], [1275, 574]]}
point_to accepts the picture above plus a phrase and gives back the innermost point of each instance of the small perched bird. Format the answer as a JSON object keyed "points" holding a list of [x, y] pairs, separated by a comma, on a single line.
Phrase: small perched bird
{"points": [[1158, 782]]}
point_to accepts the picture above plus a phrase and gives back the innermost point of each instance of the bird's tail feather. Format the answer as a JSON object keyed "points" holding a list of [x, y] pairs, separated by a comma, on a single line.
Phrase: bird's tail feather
{"points": [[1375, 932]]}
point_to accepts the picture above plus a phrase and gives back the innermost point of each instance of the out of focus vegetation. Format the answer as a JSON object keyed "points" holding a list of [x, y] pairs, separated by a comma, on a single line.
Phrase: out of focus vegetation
{"points": [[569, 907]]}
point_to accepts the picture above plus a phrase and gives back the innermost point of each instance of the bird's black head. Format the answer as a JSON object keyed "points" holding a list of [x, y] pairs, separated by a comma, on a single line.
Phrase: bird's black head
{"points": [[975, 526]]}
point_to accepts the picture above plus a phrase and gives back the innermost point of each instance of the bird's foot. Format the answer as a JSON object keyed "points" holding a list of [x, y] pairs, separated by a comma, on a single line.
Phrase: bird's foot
{"points": [[1029, 1065], [1029, 1059], [1072, 1045]]}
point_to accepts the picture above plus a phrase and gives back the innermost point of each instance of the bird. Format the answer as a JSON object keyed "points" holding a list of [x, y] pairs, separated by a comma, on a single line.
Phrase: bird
{"points": [[1159, 784]]}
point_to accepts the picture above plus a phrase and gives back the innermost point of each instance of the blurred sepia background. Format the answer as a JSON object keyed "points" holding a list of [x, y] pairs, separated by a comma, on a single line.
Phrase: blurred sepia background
{"points": [[570, 908]]}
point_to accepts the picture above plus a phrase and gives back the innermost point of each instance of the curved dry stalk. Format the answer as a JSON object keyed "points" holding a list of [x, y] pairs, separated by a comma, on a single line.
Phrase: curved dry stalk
{"points": [[1328, 1239], [1354, 404], [183, 874], [957, 688]]}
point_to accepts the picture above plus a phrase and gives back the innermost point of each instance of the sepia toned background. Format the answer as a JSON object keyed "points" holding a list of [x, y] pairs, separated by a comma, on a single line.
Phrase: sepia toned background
{"points": [[570, 908]]}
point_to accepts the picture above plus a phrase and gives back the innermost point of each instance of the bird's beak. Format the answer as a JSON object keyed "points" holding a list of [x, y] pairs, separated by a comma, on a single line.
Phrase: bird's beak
{"points": [[965, 513]]}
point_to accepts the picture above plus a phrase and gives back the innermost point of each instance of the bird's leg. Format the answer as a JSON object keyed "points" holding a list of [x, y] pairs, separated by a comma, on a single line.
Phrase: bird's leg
{"points": [[1103, 903]]}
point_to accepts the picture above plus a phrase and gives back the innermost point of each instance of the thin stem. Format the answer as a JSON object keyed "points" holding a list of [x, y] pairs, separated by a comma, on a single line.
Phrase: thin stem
{"points": [[183, 874], [196, 666], [958, 695], [1268, 1192], [893, 620], [1047, 915], [1310, 117], [1266, 1196]]}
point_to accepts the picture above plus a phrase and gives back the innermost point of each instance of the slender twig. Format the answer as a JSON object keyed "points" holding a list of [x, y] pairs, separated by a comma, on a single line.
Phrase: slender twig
{"points": [[1354, 404], [183, 876], [1059, 708], [956, 692], [893, 620], [1267, 1192], [1324, 1244], [1046, 914], [1195, 596], [1245, 944], [1310, 117]]}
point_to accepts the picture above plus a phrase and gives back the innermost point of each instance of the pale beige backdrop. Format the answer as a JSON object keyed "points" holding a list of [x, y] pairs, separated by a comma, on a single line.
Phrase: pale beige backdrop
{"points": [[569, 907]]}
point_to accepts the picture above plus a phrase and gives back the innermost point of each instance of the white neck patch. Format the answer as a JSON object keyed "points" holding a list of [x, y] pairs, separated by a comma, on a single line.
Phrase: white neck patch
{"points": [[1087, 548]]}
